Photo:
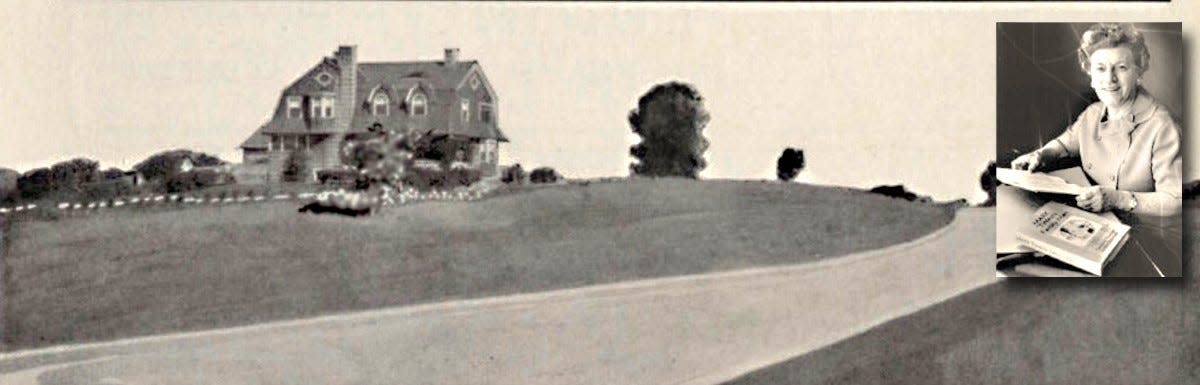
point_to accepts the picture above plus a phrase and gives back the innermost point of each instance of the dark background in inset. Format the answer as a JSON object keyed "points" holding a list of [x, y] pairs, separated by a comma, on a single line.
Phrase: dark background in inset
{"points": [[1041, 89]]}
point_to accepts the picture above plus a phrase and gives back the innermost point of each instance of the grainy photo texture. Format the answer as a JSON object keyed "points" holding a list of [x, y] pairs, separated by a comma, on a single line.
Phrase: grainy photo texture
{"points": [[1090, 149]]}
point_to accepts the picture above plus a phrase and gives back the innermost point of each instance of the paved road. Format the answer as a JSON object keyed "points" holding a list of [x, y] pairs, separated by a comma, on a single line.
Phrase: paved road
{"points": [[696, 329]]}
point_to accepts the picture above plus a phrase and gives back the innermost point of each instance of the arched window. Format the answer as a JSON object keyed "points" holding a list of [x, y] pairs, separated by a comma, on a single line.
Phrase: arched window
{"points": [[418, 105], [379, 104]]}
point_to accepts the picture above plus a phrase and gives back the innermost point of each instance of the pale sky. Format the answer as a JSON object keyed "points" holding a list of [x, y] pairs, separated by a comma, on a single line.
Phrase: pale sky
{"points": [[873, 93]]}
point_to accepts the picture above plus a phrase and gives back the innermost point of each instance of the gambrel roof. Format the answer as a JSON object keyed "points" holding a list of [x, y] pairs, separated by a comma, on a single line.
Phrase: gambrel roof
{"points": [[399, 80]]}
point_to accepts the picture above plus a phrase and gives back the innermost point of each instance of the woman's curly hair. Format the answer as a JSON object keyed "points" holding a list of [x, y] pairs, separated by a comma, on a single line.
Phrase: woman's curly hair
{"points": [[1110, 35]]}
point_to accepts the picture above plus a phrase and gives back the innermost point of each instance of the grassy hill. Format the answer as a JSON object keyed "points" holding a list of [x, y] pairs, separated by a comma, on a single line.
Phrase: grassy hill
{"points": [[125, 273], [1026, 331]]}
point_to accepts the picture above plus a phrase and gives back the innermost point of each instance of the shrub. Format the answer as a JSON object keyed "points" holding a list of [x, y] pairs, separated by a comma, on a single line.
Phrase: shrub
{"points": [[343, 177], [789, 164], [987, 182], [544, 175], [424, 179], [198, 179], [513, 175], [113, 173], [107, 190], [462, 176], [895, 191], [670, 119]]}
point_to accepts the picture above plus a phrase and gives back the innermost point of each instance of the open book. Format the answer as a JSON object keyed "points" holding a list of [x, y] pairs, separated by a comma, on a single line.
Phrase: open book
{"points": [[1037, 182], [1076, 237]]}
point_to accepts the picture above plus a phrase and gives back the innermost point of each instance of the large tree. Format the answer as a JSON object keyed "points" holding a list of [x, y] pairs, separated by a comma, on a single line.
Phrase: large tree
{"points": [[68, 176], [789, 164], [670, 119]]}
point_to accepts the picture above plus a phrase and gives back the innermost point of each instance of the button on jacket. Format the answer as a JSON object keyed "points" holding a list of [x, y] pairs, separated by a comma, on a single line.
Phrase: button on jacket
{"points": [[1139, 153]]}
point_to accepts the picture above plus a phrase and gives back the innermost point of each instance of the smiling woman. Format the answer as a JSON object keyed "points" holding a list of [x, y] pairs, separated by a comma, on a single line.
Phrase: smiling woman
{"points": [[1123, 146], [1128, 143]]}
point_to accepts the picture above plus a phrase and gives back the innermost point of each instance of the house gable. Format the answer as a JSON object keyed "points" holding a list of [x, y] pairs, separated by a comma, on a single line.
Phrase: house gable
{"points": [[476, 71]]}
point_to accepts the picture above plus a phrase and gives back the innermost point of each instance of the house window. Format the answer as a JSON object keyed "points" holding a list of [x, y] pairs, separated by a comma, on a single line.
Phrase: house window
{"points": [[466, 111], [489, 151], [322, 107], [293, 107], [485, 113], [276, 143], [380, 104], [324, 78], [327, 106], [418, 104]]}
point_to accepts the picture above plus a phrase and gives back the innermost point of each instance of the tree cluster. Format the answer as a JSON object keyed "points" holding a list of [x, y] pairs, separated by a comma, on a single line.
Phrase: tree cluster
{"points": [[67, 178], [82, 178], [161, 166]]}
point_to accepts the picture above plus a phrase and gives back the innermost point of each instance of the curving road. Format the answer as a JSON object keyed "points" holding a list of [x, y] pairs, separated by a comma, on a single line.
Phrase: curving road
{"points": [[683, 330]]}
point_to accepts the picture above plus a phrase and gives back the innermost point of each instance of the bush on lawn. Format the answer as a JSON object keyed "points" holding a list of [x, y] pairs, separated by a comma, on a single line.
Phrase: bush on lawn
{"points": [[425, 179], [109, 189], [895, 191], [342, 177], [544, 175], [513, 175], [198, 179]]}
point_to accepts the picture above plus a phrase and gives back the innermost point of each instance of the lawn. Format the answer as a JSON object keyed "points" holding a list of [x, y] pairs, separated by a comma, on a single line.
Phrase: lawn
{"points": [[1027, 331], [125, 273]]}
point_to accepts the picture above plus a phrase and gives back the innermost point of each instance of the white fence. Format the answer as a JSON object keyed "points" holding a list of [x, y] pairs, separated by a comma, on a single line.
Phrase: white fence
{"points": [[407, 196]]}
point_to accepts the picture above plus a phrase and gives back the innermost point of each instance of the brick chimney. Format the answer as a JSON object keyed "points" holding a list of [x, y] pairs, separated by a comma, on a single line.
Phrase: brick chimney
{"points": [[451, 57], [347, 84]]}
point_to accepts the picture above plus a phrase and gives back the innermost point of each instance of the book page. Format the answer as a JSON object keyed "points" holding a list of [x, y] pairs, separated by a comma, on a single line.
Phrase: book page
{"points": [[1037, 182]]}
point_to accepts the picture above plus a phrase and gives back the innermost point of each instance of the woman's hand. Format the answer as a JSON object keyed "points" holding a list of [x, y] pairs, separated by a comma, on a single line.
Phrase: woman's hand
{"points": [[1098, 199], [1028, 162]]}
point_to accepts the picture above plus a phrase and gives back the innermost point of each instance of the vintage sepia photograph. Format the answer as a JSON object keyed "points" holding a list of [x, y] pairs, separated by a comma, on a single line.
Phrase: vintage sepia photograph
{"points": [[1089, 130], [588, 193]]}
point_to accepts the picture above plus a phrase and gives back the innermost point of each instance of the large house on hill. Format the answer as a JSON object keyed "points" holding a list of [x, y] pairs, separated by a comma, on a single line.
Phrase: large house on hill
{"points": [[340, 99]]}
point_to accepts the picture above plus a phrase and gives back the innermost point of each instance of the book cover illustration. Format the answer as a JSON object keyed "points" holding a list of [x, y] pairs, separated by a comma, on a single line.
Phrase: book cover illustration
{"points": [[1079, 238]]}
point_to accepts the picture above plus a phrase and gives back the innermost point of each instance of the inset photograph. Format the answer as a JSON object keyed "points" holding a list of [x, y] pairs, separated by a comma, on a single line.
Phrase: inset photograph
{"points": [[1089, 149]]}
